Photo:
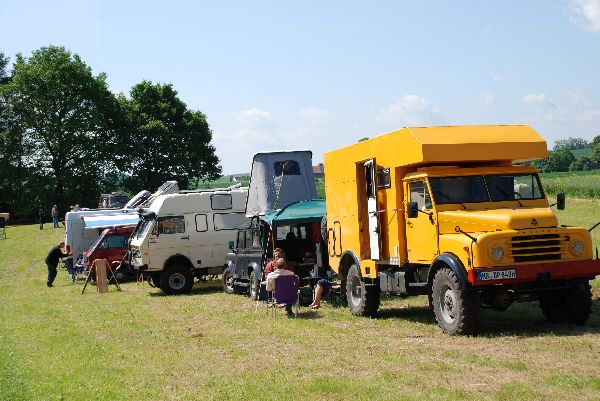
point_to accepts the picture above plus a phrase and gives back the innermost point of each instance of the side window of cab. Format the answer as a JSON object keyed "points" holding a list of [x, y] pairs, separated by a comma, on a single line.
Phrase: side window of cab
{"points": [[420, 193]]}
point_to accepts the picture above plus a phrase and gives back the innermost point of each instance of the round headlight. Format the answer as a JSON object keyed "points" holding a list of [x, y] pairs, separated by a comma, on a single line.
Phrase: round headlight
{"points": [[577, 247], [496, 253]]}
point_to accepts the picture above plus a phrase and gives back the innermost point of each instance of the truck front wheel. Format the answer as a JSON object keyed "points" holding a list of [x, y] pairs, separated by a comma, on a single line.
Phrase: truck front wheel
{"points": [[254, 285], [227, 281], [573, 305], [176, 279], [363, 300], [456, 310]]}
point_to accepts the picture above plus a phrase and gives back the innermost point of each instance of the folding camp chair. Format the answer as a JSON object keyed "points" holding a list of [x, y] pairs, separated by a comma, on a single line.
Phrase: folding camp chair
{"points": [[286, 292], [2, 227]]}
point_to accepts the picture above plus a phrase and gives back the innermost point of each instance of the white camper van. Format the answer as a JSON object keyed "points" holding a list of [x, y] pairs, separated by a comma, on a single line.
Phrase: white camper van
{"points": [[186, 235], [84, 226]]}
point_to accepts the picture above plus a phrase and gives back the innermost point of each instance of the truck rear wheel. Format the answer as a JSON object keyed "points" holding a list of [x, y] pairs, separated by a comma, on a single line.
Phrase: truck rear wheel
{"points": [[363, 300], [456, 310], [572, 305], [176, 279], [227, 281]]}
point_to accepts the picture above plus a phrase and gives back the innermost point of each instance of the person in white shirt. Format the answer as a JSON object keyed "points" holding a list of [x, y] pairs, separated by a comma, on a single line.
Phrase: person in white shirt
{"points": [[280, 270]]}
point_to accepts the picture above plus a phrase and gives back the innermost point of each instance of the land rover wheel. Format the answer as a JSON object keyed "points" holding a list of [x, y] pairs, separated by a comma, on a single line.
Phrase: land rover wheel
{"points": [[573, 305], [227, 281], [363, 300], [456, 310], [176, 279], [254, 290]]}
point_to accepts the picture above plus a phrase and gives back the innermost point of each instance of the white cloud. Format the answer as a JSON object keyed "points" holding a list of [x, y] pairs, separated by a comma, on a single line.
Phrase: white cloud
{"points": [[255, 126], [488, 100], [545, 109], [409, 110], [253, 117], [314, 116], [586, 14]]}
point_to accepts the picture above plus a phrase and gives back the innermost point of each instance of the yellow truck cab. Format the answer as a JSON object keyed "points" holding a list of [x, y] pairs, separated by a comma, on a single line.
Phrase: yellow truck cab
{"points": [[447, 212]]}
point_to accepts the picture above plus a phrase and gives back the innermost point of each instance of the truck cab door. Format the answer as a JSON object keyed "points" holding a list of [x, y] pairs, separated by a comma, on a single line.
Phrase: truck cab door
{"points": [[421, 230], [373, 216]]}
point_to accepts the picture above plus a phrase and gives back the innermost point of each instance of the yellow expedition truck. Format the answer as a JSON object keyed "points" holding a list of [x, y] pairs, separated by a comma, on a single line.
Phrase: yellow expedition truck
{"points": [[445, 211]]}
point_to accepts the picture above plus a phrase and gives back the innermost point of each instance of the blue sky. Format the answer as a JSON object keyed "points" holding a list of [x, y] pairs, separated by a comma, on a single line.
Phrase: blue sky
{"points": [[319, 75]]}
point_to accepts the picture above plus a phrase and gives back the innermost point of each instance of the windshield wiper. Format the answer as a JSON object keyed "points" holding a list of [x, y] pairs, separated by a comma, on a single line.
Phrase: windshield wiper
{"points": [[448, 197], [508, 196]]}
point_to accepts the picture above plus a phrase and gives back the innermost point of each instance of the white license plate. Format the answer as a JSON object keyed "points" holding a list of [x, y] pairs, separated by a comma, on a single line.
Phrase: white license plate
{"points": [[497, 275]]}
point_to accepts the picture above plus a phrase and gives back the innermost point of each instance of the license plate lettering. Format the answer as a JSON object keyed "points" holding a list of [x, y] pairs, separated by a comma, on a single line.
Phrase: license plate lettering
{"points": [[497, 275]]}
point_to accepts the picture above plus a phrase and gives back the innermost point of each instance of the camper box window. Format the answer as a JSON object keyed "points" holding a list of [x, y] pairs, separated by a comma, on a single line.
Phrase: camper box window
{"points": [[221, 202], [228, 221], [171, 225], [201, 223], [287, 167]]}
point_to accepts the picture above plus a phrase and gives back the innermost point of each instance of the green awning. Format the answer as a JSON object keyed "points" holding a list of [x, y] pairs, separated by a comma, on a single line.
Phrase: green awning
{"points": [[298, 212]]}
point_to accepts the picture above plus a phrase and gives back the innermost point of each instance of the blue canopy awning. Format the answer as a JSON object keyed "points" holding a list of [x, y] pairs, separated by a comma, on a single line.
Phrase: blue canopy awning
{"points": [[113, 220]]}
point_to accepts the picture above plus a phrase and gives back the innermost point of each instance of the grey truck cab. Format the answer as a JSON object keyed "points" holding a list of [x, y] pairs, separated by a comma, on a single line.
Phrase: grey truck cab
{"points": [[283, 214]]}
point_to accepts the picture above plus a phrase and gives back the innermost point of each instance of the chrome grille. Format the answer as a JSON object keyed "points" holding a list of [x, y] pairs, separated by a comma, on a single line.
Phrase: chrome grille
{"points": [[537, 248]]}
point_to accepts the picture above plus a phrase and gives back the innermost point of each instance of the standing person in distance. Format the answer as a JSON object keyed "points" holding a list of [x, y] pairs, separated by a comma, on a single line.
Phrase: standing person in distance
{"points": [[41, 218], [55, 216]]}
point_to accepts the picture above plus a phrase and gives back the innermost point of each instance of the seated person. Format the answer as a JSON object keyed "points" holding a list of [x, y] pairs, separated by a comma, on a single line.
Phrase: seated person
{"points": [[322, 285], [270, 267], [280, 270]]}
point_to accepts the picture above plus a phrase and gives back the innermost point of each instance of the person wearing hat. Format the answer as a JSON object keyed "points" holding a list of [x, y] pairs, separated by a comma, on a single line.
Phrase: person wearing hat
{"points": [[52, 259]]}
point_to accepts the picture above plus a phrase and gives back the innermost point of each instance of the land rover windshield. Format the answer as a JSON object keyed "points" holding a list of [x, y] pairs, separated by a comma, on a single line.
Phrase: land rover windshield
{"points": [[485, 188], [143, 228]]}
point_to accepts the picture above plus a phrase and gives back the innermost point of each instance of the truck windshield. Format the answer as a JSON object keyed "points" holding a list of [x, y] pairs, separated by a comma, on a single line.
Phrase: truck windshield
{"points": [[459, 189], [495, 188], [514, 187], [143, 228]]}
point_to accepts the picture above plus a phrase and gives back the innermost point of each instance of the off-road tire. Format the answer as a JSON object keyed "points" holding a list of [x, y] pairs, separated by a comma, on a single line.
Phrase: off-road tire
{"points": [[456, 310], [227, 280], [363, 300], [254, 287], [176, 280], [572, 305]]}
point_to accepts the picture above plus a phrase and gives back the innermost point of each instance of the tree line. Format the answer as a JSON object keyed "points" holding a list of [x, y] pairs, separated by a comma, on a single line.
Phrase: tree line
{"points": [[65, 138], [561, 158]]}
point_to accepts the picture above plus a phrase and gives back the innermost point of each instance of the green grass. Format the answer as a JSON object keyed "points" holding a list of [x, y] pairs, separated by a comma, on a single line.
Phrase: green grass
{"points": [[577, 184], [56, 344]]}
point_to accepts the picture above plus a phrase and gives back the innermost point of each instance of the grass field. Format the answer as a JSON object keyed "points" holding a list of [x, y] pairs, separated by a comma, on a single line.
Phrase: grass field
{"points": [[56, 344], [577, 184]]}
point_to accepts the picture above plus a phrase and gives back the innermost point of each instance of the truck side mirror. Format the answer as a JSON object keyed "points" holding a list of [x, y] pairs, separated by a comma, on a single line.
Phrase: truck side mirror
{"points": [[560, 201], [232, 245], [412, 210]]}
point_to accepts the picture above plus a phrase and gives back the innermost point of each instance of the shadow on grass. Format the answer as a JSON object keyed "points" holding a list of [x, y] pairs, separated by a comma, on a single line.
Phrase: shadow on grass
{"points": [[202, 288], [520, 320]]}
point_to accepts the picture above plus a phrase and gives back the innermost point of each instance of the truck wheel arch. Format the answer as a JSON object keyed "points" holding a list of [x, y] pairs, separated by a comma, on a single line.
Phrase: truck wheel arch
{"points": [[451, 261], [348, 259], [178, 259]]}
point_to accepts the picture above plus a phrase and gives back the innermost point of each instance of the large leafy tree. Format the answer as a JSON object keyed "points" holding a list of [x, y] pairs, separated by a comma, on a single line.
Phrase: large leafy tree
{"points": [[65, 120], [166, 140]]}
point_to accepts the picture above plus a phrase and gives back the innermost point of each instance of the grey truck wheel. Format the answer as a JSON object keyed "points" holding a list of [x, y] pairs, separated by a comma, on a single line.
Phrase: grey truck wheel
{"points": [[363, 300], [176, 279], [456, 310], [254, 290], [227, 281]]}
